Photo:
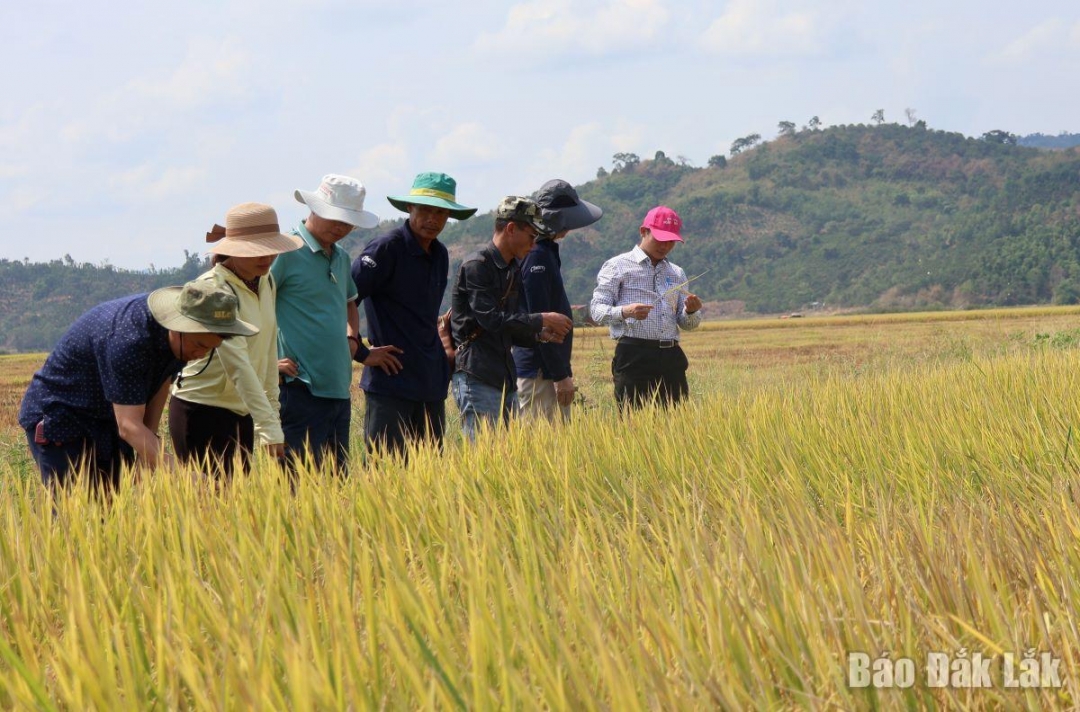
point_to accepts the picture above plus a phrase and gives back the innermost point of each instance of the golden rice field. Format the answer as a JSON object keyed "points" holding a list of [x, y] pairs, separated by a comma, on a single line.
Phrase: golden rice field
{"points": [[900, 486]]}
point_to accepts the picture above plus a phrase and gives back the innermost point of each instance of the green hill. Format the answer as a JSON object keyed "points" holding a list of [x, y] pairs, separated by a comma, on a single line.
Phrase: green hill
{"points": [[39, 301], [1038, 140], [880, 218], [884, 218]]}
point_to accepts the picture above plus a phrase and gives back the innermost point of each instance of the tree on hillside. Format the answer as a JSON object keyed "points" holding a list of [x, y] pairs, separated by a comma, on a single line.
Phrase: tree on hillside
{"points": [[878, 117], [682, 160], [1066, 292], [786, 128], [999, 136], [601, 172], [814, 124], [661, 159], [625, 161], [718, 161], [910, 114], [194, 265], [741, 144]]}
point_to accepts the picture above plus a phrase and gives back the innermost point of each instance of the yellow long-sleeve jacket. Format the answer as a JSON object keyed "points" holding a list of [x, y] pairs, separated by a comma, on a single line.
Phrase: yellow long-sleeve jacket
{"points": [[242, 375]]}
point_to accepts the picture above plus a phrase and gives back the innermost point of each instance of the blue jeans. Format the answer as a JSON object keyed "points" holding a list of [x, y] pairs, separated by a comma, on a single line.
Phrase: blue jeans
{"points": [[314, 426], [477, 401], [103, 457]]}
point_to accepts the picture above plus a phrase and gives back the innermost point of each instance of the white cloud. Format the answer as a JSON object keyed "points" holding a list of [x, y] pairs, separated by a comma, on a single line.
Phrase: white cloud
{"points": [[203, 105], [12, 170], [1053, 36], [211, 71], [403, 119], [469, 143], [147, 182], [762, 28], [18, 201], [383, 166], [115, 117], [582, 147], [586, 147], [627, 136], [20, 132], [416, 139], [580, 27]]}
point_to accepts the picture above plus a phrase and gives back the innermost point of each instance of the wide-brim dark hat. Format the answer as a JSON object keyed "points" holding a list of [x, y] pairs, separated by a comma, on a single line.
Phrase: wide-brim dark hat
{"points": [[436, 189], [563, 208]]}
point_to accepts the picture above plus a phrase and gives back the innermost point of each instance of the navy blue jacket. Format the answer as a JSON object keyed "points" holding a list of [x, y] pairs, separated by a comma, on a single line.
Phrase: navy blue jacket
{"points": [[543, 291], [401, 287], [116, 353]]}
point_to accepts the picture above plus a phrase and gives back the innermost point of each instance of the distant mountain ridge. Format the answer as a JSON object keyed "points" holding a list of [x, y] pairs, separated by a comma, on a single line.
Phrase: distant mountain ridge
{"points": [[40, 300], [885, 217], [1061, 141], [882, 217]]}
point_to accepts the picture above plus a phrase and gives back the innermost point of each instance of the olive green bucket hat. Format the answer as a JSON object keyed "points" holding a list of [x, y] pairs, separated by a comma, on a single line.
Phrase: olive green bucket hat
{"points": [[436, 189], [199, 307]]}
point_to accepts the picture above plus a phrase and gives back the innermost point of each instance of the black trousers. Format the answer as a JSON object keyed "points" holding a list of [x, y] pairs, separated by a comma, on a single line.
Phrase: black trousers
{"points": [[390, 423], [646, 373], [208, 436]]}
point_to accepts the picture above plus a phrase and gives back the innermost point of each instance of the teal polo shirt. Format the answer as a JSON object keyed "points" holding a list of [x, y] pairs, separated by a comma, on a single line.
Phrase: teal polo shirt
{"points": [[313, 293]]}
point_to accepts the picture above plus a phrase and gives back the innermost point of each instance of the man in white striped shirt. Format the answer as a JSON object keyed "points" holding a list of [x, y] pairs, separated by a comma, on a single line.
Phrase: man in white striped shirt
{"points": [[642, 297]]}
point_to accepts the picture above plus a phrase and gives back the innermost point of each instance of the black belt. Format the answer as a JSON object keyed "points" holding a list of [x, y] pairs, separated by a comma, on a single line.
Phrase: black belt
{"points": [[654, 343]]}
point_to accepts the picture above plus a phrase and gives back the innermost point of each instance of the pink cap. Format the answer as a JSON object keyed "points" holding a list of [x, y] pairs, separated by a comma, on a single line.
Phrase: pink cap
{"points": [[664, 224]]}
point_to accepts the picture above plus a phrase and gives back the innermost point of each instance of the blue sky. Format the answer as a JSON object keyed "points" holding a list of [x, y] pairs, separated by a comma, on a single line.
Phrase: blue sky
{"points": [[128, 128]]}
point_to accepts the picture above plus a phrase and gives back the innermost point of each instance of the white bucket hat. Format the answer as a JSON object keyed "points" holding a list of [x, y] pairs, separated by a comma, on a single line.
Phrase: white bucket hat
{"points": [[339, 198], [251, 230]]}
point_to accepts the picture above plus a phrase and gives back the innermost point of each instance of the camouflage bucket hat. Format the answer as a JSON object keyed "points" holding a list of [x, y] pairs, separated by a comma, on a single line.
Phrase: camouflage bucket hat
{"points": [[522, 210], [199, 307]]}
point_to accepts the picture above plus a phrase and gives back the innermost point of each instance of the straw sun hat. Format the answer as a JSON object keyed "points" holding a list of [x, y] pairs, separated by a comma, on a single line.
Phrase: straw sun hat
{"points": [[251, 230]]}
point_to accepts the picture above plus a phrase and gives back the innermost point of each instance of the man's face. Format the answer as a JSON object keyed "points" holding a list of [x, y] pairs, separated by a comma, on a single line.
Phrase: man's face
{"points": [[522, 239], [327, 232], [192, 347], [427, 221], [655, 249]]}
